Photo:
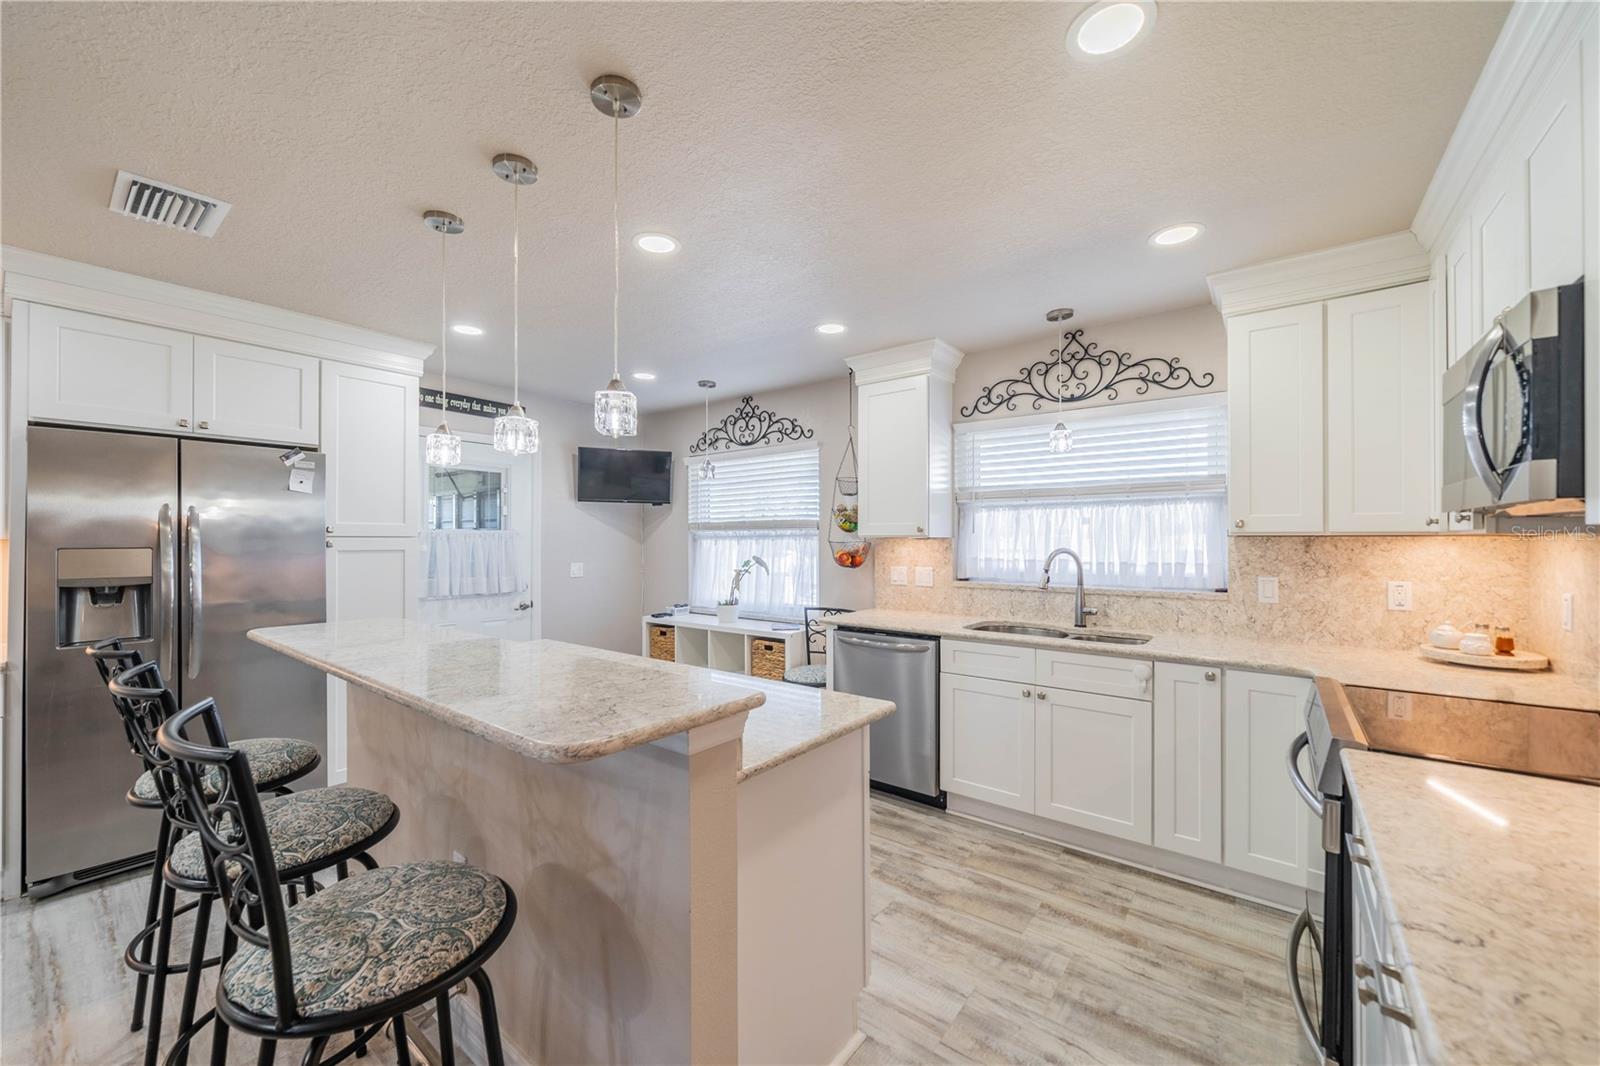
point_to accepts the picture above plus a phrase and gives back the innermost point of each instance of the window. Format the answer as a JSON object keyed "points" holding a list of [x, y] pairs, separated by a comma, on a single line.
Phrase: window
{"points": [[463, 499], [765, 504], [1141, 496]]}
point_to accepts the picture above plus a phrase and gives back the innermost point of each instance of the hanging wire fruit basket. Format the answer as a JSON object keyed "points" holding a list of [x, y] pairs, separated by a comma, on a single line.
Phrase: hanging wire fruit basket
{"points": [[849, 548]]}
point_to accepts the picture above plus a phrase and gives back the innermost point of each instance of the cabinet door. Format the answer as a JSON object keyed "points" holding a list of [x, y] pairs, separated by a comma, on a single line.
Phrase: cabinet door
{"points": [[1461, 310], [255, 393], [107, 372], [986, 740], [1188, 760], [894, 467], [1275, 421], [368, 577], [1382, 410], [369, 430], [1092, 762], [1266, 828]]}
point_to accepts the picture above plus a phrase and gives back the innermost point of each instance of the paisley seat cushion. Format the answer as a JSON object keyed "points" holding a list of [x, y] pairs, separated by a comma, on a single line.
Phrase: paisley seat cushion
{"points": [[374, 937], [303, 827], [814, 675], [271, 759]]}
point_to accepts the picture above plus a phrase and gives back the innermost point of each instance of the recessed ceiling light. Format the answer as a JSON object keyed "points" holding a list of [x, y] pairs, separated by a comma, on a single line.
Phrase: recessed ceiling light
{"points": [[831, 327], [1182, 233], [1110, 26], [658, 243], [470, 331], [643, 375]]}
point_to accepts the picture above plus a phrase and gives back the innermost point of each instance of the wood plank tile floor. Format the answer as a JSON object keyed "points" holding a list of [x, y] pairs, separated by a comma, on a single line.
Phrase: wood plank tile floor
{"points": [[994, 947]]}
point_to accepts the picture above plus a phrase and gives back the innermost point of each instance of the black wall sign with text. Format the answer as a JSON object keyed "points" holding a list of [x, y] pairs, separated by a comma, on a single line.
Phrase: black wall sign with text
{"points": [[465, 405]]}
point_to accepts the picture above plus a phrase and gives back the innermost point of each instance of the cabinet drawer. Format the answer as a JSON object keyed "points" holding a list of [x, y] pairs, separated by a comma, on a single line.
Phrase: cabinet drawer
{"points": [[981, 659], [1106, 674]]}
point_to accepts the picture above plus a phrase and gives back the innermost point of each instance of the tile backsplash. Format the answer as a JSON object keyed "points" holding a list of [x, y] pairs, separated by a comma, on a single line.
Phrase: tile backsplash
{"points": [[1330, 589]]}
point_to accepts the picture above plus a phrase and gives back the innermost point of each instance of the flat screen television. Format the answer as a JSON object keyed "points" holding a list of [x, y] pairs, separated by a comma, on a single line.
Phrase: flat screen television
{"points": [[624, 475]]}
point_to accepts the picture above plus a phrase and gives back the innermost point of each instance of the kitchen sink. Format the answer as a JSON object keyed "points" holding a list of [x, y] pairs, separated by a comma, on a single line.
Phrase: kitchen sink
{"points": [[1018, 629]]}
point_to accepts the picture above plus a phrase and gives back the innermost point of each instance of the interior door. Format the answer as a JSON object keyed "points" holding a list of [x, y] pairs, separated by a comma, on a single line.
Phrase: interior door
{"points": [[477, 543]]}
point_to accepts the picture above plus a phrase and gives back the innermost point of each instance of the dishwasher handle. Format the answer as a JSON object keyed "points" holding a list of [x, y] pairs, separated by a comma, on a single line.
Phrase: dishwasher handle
{"points": [[882, 645]]}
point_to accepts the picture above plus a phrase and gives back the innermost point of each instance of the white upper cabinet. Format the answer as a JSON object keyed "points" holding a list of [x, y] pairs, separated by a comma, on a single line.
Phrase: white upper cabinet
{"points": [[903, 408], [1275, 369], [369, 430], [104, 371], [1267, 829], [1187, 746], [254, 393], [1381, 413], [1092, 762]]}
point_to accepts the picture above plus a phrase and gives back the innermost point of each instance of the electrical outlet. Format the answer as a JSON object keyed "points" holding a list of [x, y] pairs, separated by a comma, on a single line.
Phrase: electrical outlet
{"points": [[1399, 595], [1400, 705], [897, 575], [1566, 612], [574, 569], [1267, 590], [925, 577]]}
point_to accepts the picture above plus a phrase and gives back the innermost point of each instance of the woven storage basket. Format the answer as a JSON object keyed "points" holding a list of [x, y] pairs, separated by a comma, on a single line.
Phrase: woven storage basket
{"points": [[767, 658], [663, 642]]}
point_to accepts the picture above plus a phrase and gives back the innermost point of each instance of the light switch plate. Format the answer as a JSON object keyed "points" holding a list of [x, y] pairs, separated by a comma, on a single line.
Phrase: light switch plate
{"points": [[1266, 590], [897, 575], [925, 577], [575, 570], [1399, 595]]}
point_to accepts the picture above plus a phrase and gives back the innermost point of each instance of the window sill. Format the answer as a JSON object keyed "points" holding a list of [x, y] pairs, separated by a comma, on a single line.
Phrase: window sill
{"points": [[1098, 590]]}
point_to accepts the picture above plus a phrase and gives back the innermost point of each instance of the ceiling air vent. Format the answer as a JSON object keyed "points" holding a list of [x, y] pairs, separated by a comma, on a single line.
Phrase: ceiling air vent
{"points": [[167, 205]]}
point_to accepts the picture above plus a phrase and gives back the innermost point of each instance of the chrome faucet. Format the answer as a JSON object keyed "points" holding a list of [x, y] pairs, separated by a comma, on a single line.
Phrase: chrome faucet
{"points": [[1079, 611]]}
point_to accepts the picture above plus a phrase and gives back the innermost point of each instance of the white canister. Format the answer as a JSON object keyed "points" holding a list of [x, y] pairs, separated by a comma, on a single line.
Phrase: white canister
{"points": [[1445, 635], [727, 613], [1477, 644]]}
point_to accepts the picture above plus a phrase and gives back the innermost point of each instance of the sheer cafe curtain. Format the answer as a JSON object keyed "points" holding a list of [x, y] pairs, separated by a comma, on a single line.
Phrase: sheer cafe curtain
{"points": [[1141, 497], [766, 504], [470, 562]]}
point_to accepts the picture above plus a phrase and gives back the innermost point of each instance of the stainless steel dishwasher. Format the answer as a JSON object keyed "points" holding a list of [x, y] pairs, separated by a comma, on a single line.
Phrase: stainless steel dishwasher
{"points": [[905, 745]]}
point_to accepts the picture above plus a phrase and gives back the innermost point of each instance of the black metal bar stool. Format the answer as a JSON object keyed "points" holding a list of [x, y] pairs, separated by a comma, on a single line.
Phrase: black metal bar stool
{"points": [[315, 830], [277, 761], [814, 675], [356, 955]]}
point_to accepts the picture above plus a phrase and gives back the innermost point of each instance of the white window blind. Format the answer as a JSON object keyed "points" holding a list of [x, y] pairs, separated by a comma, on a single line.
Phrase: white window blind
{"points": [[1141, 496], [767, 504]]}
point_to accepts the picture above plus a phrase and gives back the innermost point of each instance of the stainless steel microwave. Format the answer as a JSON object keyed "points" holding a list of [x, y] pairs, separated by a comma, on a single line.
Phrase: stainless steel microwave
{"points": [[1513, 411]]}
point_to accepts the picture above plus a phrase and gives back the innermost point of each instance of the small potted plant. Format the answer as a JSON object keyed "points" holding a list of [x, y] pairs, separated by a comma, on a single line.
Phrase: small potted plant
{"points": [[728, 609]]}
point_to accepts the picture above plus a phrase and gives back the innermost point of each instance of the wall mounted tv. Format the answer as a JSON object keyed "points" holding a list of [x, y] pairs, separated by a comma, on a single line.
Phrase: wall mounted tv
{"points": [[624, 475]]}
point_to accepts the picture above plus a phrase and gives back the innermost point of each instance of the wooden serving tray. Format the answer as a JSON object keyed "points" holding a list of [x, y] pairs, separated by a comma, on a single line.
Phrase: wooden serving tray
{"points": [[1517, 660]]}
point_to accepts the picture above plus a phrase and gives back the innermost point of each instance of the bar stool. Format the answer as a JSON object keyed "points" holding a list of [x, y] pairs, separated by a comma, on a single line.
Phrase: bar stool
{"points": [[277, 761], [356, 955], [810, 674], [316, 830]]}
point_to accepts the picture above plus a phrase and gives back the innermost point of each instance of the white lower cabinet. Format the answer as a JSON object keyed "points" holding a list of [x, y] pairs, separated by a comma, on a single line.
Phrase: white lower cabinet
{"points": [[1188, 760], [367, 577], [1267, 829], [986, 740], [1092, 762]]}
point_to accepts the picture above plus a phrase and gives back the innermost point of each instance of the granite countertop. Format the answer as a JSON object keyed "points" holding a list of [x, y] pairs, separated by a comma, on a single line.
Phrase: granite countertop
{"points": [[548, 700], [1403, 671], [1495, 924], [795, 719]]}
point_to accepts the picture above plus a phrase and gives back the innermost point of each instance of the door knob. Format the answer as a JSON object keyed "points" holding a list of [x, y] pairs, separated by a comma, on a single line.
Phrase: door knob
{"points": [[523, 606]]}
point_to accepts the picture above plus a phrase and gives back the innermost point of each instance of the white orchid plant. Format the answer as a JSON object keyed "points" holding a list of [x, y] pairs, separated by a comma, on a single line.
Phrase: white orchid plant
{"points": [[739, 574]]}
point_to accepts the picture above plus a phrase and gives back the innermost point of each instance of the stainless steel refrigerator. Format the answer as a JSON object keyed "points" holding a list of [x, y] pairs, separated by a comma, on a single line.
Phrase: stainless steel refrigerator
{"points": [[181, 547]]}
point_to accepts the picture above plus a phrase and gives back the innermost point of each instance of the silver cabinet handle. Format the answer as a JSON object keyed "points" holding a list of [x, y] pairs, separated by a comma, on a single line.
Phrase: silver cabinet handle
{"points": [[1313, 800], [1238, 523], [1211, 675], [1297, 996], [1042, 694], [1433, 521], [196, 595], [330, 529], [919, 529], [183, 423], [1027, 692], [167, 595], [204, 424], [880, 644]]}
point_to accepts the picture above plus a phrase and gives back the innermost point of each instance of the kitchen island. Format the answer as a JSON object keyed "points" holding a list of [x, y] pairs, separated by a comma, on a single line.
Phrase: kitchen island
{"points": [[687, 893]]}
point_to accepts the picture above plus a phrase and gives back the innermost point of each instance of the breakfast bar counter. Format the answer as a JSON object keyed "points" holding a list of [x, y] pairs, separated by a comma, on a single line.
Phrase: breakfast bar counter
{"points": [[687, 893]]}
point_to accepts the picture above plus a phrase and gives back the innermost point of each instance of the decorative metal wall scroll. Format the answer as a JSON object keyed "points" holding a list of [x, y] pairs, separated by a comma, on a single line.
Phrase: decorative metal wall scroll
{"points": [[748, 426], [1077, 371]]}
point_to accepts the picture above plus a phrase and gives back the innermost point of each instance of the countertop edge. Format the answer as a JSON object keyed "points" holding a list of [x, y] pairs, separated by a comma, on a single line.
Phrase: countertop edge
{"points": [[828, 736], [542, 752]]}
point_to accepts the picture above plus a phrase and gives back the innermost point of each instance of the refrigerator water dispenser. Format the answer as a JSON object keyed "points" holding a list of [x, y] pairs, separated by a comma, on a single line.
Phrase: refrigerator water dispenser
{"points": [[102, 593]]}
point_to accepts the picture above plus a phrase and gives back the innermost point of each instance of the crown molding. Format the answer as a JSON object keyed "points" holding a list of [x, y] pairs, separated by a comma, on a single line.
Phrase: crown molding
{"points": [[35, 277], [1533, 38], [1378, 263], [933, 357]]}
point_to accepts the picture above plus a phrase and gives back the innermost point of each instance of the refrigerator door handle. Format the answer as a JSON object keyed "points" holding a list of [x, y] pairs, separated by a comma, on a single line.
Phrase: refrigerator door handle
{"points": [[196, 596], [166, 598]]}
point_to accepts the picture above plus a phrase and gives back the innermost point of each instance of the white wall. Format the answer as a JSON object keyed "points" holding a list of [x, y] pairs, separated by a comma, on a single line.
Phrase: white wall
{"points": [[602, 608]]}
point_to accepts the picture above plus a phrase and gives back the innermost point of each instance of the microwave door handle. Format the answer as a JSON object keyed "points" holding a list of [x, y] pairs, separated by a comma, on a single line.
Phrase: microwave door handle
{"points": [[166, 593], [1472, 411], [196, 597]]}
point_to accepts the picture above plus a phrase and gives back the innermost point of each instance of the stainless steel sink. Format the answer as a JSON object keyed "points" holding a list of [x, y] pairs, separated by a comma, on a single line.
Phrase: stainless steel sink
{"points": [[1018, 629]]}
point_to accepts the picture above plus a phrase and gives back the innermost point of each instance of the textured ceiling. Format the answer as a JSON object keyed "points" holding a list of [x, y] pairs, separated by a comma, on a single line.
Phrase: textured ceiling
{"points": [[913, 170]]}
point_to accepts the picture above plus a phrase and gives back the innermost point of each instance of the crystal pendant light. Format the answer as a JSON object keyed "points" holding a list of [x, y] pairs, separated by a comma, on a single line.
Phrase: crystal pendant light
{"points": [[705, 470], [443, 448], [1060, 436], [616, 410], [514, 431]]}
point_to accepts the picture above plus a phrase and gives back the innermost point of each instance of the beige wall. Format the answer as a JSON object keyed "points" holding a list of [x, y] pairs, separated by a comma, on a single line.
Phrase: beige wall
{"points": [[602, 608]]}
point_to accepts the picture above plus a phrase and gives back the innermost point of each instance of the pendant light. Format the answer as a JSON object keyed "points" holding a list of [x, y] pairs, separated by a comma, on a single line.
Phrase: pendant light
{"points": [[1060, 436], [706, 471], [514, 431], [443, 447], [616, 410]]}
